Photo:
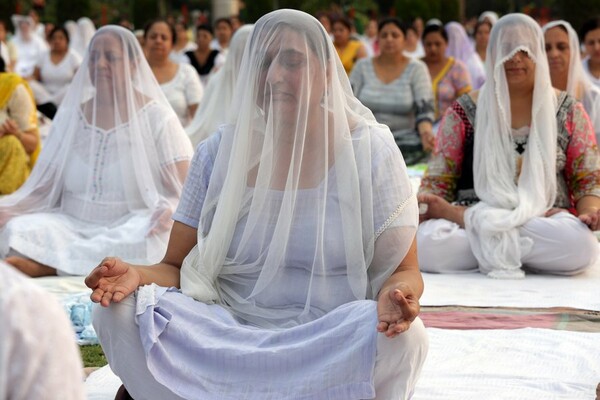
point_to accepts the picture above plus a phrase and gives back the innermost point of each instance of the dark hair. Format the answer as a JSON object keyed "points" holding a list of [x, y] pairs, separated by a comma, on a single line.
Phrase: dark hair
{"points": [[344, 21], [394, 21], [4, 24], [205, 27], [435, 28], [223, 19], [589, 25], [325, 14], [59, 29], [153, 22], [480, 24]]}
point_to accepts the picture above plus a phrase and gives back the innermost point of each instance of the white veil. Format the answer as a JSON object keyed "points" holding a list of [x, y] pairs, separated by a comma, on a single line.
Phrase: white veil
{"points": [[492, 224], [309, 205], [218, 95], [461, 48], [114, 102], [86, 30], [578, 82]]}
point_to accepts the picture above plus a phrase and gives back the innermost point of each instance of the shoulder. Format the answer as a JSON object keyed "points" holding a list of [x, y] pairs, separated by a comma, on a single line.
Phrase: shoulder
{"points": [[363, 64], [186, 70]]}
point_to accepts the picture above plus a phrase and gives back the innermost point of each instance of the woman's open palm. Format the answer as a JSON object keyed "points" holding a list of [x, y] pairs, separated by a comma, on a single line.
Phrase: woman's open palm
{"points": [[112, 280]]}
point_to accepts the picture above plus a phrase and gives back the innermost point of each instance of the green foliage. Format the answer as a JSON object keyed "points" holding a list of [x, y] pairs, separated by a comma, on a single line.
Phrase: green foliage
{"points": [[93, 356], [446, 10], [71, 9]]}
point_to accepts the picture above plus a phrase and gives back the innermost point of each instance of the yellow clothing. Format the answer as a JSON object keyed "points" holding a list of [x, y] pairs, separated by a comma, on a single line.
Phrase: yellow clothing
{"points": [[17, 103], [14, 164], [348, 54]]}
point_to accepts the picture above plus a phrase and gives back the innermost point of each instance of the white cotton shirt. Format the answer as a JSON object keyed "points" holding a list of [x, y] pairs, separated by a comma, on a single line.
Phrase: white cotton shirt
{"points": [[28, 54], [586, 68], [184, 90], [38, 355], [56, 77]]}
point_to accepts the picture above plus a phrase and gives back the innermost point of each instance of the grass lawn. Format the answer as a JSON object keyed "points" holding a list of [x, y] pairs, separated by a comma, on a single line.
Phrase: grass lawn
{"points": [[92, 356]]}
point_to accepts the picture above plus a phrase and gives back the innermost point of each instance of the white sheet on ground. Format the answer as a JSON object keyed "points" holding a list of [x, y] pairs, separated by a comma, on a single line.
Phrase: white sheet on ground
{"points": [[535, 291], [490, 364], [510, 364]]}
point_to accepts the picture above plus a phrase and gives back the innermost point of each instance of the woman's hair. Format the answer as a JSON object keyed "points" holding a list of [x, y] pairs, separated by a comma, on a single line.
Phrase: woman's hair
{"points": [[481, 23], [589, 25], [151, 23], [395, 21], [205, 27], [435, 28], [59, 29], [344, 21], [2, 64]]}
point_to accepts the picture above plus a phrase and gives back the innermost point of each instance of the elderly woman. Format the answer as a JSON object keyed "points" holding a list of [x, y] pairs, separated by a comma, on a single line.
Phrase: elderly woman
{"points": [[514, 181], [179, 81], [397, 89], [110, 174], [19, 135], [297, 226], [220, 91], [566, 70], [450, 77]]}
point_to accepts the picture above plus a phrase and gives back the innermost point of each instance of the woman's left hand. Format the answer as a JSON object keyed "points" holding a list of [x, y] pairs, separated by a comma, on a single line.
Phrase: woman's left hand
{"points": [[397, 308], [427, 137], [591, 219], [10, 127]]}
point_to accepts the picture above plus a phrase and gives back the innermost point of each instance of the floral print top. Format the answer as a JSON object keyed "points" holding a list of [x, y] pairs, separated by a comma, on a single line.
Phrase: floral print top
{"points": [[452, 82], [450, 169]]}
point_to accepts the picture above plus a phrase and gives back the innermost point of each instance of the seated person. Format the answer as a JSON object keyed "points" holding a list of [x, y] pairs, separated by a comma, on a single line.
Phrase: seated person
{"points": [[110, 174], [513, 159], [297, 227], [19, 136]]}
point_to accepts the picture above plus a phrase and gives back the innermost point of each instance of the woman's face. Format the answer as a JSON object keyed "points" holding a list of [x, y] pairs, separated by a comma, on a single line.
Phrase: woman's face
{"points": [[107, 64], [203, 39], [558, 52], [223, 32], [482, 36], [371, 30], [290, 79], [520, 71], [341, 33], [435, 47], [159, 40], [58, 42], [592, 44], [391, 39]]}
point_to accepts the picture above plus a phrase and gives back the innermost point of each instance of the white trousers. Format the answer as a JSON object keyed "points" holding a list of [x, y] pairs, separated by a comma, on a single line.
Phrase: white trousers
{"points": [[562, 245], [397, 367]]}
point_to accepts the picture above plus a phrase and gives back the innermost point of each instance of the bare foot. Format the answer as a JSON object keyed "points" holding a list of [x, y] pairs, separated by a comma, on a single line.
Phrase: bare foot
{"points": [[30, 267]]}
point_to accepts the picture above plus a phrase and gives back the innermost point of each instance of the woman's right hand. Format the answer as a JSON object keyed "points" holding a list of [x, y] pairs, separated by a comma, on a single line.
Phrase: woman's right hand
{"points": [[112, 280]]}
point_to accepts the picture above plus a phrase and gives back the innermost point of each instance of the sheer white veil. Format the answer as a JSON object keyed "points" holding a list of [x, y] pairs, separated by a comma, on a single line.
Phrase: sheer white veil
{"points": [[461, 48], [491, 16], [86, 30], [309, 205], [508, 202], [578, 82], [218, 96], [114, 100]]}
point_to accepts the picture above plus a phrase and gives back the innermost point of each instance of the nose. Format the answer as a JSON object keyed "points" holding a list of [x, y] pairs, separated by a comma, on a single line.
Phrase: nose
{"points": [[276, 72]]}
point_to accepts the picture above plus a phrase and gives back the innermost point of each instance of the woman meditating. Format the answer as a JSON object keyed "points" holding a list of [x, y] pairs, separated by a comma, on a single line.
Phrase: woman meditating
{"points": [[110, 174], [514, 181], [292, 269]]}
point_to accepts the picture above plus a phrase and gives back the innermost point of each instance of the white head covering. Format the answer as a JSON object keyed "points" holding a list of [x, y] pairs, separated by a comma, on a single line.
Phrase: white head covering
{"points": [[309, 205], [114, 100], [578, 82], [218, 95], [491, 16], [492, 224], [86, 29], [461, 48], [74, 37]]}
